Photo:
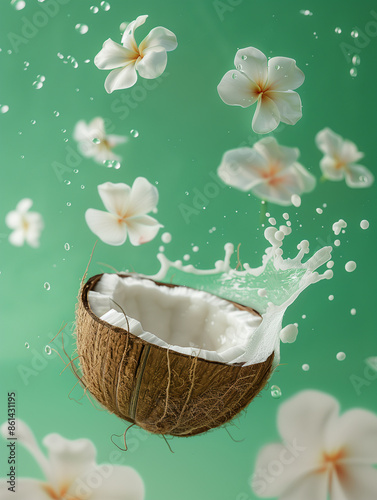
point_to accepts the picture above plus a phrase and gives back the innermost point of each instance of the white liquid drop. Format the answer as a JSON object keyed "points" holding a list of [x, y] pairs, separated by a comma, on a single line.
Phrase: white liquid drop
{"points": [[350, 266], [319, 210], [67, 246], [47, 285], [288, 334], [338, 30], [337, 243], [330, 264], [82, 28], [275, 392], [272, 221], [195, 249], [286, 216], [338, 226], [296, 200], [161, 248], [262, 292], [341, 356], [331, 297], [166, 238], [18, 4], [27, 345], [305, 367], [186, 257], [364, 224], [4, 108], [353, 311]]}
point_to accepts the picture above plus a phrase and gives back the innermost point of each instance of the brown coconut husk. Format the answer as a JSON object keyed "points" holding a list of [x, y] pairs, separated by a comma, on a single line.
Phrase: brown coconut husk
{"points": [[160, 390]]}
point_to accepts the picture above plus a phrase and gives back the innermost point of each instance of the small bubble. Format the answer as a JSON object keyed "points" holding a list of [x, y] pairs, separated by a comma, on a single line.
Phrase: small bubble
{"points": [[319, 210], [353, 72], [69, 203], [275, 392], [234, 76], [134, 133], [337, 243], [356, 60], [341, 356], [56, 113], [195, 249], [47, 285], [353, 311], [94, 9], [82, 186], [96, 140], [67, 182], [305, 367], [48, 350], [306, 12], [364, 224], [18, 4], [87, 61], [26, 64], [27, 345], [4, 109], [76, 171], [296, 200], [239, 67], [354, 34], [105, 6], [38, 83], [277, 67], [67, 246], [33, 122], [166, 238], [82, 28], [331, 297], [244, 57], [64, 130], [338, 30]]}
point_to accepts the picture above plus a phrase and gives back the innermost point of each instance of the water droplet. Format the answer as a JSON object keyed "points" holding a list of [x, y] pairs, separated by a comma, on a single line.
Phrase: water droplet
{"points": [[38, 83], [67, 246], [364, 224], [47, 285], [27, 345], [87, 61], [354, 34], [356, 60], [244, 57], [48, 350], [350, 266], [306, 12], [18, 4], [111, 163], [4, 109], [353, 72], [275, 391], [33, 122], [239, 67], [305, 367], [67, 182], [134, 133], [234, 76], [123, 27], [105, 6], [337, 243], [82, 186], [341, 356], [166, 238], [277, 67], [338, 30], [319, 211], [331, 297], [94, 9], [69, 203], [82, 28], [76, 171], [353, 311], [96, 140], [26, 64]]}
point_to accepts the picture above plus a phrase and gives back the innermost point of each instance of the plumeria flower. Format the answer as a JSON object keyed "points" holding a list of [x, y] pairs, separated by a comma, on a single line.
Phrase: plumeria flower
{"points": [[149, 58], [27, 226], [340, 160], [127, 208], [267, 169], [323, 455], [71, 472], [93, 142], [269, 83]]}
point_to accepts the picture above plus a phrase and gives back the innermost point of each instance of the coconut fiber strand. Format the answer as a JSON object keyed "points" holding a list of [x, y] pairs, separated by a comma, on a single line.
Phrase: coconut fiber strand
{"points": [[160, 390]]}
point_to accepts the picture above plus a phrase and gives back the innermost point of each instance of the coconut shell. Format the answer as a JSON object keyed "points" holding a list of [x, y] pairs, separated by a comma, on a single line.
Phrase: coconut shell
{"points": [[160, 390]]}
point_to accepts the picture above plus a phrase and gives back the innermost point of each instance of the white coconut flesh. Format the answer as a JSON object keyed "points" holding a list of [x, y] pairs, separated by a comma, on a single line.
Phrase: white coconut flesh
{"points": [[188, 321]]}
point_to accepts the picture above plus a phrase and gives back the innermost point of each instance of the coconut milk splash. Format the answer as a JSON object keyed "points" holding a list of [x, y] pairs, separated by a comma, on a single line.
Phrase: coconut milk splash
{"points": [[270, 288]]}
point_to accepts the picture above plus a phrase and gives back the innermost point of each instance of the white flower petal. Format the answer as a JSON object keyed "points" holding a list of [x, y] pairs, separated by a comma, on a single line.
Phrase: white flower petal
{"points": [[26, 438], [142, 229], [96, 128], [358, 483], [282, 466], [288, 104], [159, 37], [153, 63], [280, 188], [307, 179], [80, 132], [143, 198], [115, 197], [106, 226], [68, 459], [13, 219], [350, 153], [329, 142], [358, 176], [26, 489], [128, 38], [305, 416], [114, 140], [274, 153], [253, 63], [112, 55], [236, 89], [266, 117], [24, 205], [17, 238], [122, 78], [242, 168], [356, 430], [330, 168], [313, 486], [124, 483], [32, 238], [283, 74]]}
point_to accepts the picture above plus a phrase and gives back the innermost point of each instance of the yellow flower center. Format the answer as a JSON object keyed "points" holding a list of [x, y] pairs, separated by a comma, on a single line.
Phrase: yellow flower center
{"points": [[61, 494]]}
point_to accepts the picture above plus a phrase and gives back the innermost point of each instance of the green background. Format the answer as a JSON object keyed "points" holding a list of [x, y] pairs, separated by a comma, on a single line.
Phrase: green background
{"points": [[184, 128]]}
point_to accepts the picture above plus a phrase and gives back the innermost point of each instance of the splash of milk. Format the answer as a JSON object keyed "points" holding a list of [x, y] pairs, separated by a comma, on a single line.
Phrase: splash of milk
{"points": [[270, 288]]}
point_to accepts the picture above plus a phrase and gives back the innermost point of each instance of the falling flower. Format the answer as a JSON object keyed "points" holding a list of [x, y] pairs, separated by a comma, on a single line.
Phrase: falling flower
{"points": [[340, 160], [270, 83], [71, 472], [267, 169], [127, 208], [324, 455], [149, 58], [27, 226], [93, 142]]}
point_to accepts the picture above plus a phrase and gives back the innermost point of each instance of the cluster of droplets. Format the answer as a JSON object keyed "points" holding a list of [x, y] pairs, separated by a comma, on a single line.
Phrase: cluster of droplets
{"points": [[39, 82], [82, 28], [105, 6], [68, 60]]}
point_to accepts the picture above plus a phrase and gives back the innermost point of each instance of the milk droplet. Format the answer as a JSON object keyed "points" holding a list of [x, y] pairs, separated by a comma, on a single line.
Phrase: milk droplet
{"points": [[275, 391], [4, 109], [341, 356], [288, 334], [364, 224], [337, 243], [353, 72], [353, 311], [272, 221], [195, 249], [166, 238], [48, 350], [82, 28], [18, 4], [305, 367], [330, 264], [338, 30], [67, 246], [286, 216], [94, 9], [296, 200], [27, 345], [161, 248], [331, 297], [354, 34], [262, 292], [47, 285], [356, 60], [319, 210], [134, 133], [338, 226], [105, 6], [186, 257], [306, 12], [350, 266]]}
